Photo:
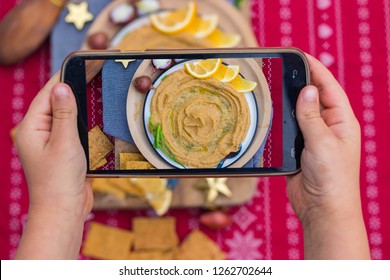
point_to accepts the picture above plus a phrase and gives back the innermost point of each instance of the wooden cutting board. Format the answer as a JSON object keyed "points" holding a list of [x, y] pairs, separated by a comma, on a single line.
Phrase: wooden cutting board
{"points": [[185, 194], [230, 19]]}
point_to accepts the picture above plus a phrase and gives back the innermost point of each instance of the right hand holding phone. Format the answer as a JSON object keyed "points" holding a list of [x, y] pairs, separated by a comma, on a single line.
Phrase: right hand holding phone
{"points": [[326, 193]]}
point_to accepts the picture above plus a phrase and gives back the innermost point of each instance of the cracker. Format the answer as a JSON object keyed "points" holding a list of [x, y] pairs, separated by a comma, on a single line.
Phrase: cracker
{"points": [[198, 246], [104, 242], [155, 233], [99, 145], [135, 164], [101, 163], [152, 255], [105, 185], [125, 157], [125, 185]]}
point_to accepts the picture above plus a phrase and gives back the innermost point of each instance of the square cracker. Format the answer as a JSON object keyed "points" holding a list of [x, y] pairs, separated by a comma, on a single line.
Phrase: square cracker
{"points": [[104, 242], [101, 163], [98, 145], [136, 164], [155, 233], [125, 157], [198, 246]]}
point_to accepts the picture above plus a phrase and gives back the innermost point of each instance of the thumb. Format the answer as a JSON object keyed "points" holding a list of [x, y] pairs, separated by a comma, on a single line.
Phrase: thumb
{"points": [[64, 110], [309, 117]]}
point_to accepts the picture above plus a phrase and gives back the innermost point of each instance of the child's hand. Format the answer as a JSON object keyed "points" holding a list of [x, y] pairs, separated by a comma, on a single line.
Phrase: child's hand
{"points": [[52, 156], [326, 193]]}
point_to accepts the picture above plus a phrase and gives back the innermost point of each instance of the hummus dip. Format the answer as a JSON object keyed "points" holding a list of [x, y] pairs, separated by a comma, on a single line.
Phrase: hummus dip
{"points": [[202, 121], [146, 37]]}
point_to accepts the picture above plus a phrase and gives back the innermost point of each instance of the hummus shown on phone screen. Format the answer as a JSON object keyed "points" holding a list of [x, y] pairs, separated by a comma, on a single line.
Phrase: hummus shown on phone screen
{"points": [[202, 120]]}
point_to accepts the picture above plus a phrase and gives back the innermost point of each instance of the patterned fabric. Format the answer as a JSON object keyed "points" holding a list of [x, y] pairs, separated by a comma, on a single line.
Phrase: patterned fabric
{"points": [[351, 37]]}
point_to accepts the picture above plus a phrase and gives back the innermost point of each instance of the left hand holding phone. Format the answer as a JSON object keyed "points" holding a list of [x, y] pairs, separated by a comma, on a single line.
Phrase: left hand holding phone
{"points": [[55, 166]]}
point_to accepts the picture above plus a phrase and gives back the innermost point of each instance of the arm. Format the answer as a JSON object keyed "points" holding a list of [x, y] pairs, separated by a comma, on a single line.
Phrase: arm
{"points": [[326, 194], [55, 167]]}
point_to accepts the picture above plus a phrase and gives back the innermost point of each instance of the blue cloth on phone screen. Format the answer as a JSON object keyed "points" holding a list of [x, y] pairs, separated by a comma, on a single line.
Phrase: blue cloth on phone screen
{"points": [[115, 84]]}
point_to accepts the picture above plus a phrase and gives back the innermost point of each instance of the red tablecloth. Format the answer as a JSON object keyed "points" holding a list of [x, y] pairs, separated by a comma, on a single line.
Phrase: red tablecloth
{"points": [[351, 37]]}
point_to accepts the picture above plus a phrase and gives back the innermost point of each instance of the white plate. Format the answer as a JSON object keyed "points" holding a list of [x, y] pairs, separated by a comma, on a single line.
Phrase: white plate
{"points": [[130, 27], [250, 98]]}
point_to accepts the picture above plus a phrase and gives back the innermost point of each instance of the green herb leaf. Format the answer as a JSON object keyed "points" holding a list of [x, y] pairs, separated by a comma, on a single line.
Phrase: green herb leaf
{"points": [[159, 141]]}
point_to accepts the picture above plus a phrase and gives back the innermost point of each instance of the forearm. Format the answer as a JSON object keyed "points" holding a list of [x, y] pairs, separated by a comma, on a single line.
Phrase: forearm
{"points": [[51, 234], [336, 238]]}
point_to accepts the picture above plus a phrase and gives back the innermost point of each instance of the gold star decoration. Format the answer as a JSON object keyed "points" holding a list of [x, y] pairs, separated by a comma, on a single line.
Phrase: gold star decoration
{"points": [[216, 186], [78, 15], [125, 62]]}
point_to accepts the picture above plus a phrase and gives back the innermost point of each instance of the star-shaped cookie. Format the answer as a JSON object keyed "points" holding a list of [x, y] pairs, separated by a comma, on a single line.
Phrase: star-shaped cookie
{"points": [[78, 15]]}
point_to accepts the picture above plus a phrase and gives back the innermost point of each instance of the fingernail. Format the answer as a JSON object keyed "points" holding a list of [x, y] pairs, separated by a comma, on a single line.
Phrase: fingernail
{"points": [[61, 92], [310, 95]]}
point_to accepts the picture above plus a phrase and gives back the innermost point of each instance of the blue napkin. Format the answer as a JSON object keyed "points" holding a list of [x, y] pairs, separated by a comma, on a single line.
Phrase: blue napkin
{"points": [[65, 38], [115, 84]]}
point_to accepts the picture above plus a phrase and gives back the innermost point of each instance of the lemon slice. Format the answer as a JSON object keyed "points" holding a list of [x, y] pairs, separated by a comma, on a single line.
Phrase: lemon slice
{"points": [[203, 69], [221, 39], [242, 85], [160, 202], [155, 192], [150, 185], [202, 26], [227, 73], [175, 21]]}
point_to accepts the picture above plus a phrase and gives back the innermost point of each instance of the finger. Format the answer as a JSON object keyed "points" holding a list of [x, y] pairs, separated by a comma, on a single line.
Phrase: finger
{"points": [[309, 117], [38, 116], [41, 103], [63, 103], [332, 94]]}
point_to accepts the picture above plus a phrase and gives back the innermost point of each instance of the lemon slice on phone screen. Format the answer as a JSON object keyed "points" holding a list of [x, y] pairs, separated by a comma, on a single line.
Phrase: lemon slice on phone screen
{"points": [[242, 85], [203, 69], [227, 73]]}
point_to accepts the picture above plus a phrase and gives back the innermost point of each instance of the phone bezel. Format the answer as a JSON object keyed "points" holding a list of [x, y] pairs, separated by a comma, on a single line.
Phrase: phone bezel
{"points": [[294, 64]]}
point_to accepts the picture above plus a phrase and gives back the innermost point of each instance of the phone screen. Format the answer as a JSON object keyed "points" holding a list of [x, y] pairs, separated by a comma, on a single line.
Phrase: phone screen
{"points": [[199, 114]]}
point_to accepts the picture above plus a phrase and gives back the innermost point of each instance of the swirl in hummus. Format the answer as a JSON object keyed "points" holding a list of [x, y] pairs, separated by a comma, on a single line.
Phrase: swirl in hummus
{"points": [[202, 121]]}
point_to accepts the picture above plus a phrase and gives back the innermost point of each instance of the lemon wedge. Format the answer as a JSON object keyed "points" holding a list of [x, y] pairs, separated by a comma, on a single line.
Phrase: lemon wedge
{"points": [[220, 39], [160, 202], [174, 21], [227, 73], [202, 26], [155, 192], [203, 69], [150, 185], [242, 85]]}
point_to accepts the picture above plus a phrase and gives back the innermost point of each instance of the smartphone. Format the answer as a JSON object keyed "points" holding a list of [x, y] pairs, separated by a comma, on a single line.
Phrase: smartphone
{"points": [[189, 113]]}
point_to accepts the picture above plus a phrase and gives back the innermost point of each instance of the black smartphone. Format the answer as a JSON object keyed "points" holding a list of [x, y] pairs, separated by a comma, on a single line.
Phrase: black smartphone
{"points": [[189, 113]]}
